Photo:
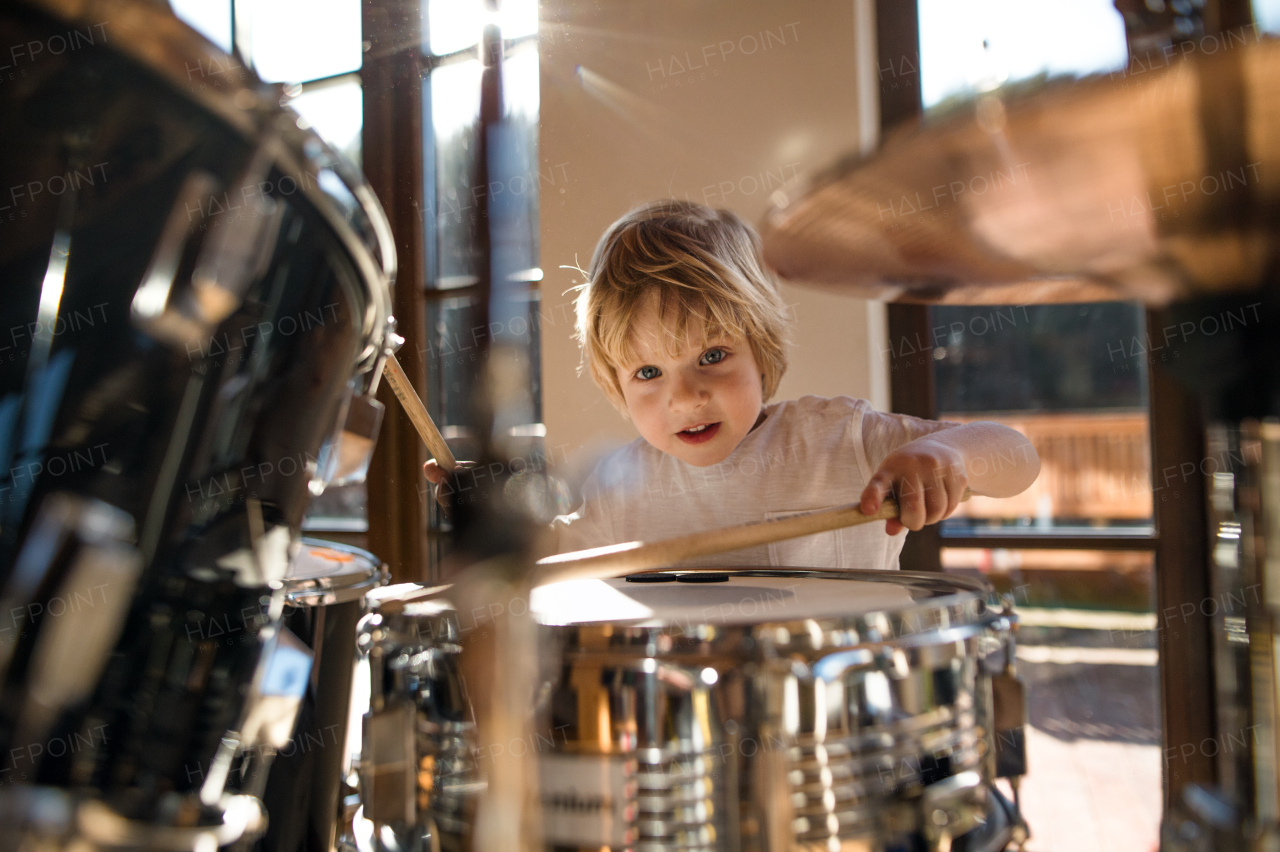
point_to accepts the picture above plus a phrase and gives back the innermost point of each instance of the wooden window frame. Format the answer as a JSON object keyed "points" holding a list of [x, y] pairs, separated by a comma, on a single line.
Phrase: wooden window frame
{"points": [[392, 149]]}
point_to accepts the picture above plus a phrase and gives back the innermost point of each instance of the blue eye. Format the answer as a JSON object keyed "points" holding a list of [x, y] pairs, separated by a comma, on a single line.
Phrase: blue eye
{"points": [[646, 373], [713, 356]]}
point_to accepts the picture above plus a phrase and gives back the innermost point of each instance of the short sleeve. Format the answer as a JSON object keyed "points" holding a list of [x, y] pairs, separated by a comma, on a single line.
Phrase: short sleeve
{"points": [[883, 433]]}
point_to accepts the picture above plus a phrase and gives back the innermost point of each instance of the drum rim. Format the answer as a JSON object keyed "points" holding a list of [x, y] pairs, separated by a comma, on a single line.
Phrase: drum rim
{"points": [[969, 592], [349, 585], [156, 39]]}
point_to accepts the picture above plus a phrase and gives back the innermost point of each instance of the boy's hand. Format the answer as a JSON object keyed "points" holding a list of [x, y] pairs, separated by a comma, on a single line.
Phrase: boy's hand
{"points": [[927, 477], [439, 477]]}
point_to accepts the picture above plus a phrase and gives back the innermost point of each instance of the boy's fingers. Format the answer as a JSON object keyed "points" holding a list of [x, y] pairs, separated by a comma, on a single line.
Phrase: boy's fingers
{"points": [[955, 495], [434, 472], [879, 487], [935, 500], [911, 503], [893, 526]]}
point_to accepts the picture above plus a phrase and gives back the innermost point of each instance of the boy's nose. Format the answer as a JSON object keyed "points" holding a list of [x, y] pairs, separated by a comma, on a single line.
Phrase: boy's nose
{"points": [[687, 393]]}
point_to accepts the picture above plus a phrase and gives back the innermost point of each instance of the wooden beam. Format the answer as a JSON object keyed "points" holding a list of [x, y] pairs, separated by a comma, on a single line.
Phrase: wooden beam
{"points": [[392, 146], [1182, 577], [910, 371], [996, 541]]}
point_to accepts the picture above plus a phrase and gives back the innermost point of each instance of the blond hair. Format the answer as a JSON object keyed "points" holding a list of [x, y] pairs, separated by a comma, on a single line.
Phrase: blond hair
{"points": [[704, 267]]}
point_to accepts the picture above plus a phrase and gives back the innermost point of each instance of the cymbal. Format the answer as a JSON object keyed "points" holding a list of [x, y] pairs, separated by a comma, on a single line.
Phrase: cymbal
{"points": [[1153, 186]]}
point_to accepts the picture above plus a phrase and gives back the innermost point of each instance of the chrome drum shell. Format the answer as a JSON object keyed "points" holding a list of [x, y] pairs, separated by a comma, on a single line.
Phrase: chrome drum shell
{"points": [[418, 772], [737, 720]]}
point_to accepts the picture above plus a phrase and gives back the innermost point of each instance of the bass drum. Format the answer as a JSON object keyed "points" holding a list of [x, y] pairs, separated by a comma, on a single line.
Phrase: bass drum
{"points": [[771, 710], [196, 311]]}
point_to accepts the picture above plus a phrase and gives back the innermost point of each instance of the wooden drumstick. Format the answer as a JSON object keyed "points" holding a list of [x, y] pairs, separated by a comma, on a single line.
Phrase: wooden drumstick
{"points": [[418, 415], [616, 560]]}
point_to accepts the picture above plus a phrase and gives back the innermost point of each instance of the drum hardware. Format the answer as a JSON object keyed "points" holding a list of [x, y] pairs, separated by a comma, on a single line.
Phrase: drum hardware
{"points": [[928, 773], [1009, 725], [856, 720], [96, 541], [243, 273], [344, 458], [1239, 811], [1095, 217], [1088, 219], [418, 775], [324, 594], [234, 251], [51, 818]]}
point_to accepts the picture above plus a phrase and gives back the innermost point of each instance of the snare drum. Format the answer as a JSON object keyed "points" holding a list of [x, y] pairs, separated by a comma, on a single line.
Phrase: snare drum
{"points": [[325, 590], [418, 775], [770, 710]]}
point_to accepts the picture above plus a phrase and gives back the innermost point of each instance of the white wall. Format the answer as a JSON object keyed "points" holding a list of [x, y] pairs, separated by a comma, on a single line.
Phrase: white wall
{"points": [[773, 93]]}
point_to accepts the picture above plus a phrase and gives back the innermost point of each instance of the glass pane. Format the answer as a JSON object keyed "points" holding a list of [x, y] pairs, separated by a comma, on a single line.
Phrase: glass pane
{"points": [[1073, 379], [518, 18], [513, 179], [300, 40], [210, 18], [1109, 580], [1267, 15], [451, 359], [455, 25], [336, 112], [342, 509], [452, 364], [1095, 477], [977, 45], [1039, 357], [455, 113], [1087, 651]]}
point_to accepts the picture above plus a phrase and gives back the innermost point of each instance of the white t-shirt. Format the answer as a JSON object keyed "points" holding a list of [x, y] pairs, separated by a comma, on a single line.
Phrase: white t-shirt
{"points": [[810, 453]]}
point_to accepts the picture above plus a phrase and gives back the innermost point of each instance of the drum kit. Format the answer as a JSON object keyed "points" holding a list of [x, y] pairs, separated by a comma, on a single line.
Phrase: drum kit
{"points": [[211, 286]]}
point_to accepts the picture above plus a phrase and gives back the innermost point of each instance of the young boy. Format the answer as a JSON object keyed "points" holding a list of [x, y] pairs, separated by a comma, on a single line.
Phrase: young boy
{"points": [[684, 331]]}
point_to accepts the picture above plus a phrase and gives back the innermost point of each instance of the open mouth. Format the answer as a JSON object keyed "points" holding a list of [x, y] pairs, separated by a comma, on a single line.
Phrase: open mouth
{"points": [[699, 434]]}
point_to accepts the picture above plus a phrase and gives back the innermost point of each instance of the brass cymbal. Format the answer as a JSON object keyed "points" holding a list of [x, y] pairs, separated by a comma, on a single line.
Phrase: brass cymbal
{"points": [[1152, 186]]}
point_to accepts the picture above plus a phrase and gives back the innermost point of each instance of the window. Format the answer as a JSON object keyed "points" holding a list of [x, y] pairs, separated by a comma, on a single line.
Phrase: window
{"points": [[1073, 379], [978, 45], [456, 228], [1267, 15]]}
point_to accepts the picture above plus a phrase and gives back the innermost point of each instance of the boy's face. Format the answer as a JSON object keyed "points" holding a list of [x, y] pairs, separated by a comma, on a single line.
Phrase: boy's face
{"points": [[697, 405]]}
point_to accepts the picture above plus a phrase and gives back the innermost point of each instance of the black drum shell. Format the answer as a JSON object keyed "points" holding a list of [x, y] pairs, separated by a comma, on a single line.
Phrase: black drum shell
{"points": [[200, 444]]}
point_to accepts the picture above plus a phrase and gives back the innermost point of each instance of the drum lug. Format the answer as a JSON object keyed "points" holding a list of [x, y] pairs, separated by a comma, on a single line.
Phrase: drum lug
{"points": [[388, 779], [393, 342], [283, 673], [950, 808], [235, 251], [93, 540], [1009, 702]]}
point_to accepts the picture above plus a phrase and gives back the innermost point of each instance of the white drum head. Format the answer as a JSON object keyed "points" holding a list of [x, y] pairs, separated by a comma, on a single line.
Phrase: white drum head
{"points": [[328, 572], [740, 600]]}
